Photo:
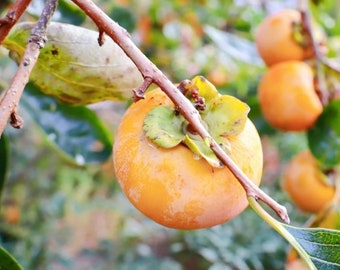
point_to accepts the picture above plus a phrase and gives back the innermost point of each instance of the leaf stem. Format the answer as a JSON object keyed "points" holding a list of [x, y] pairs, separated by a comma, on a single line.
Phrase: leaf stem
{"points": [[185, 107], [279, 227]]}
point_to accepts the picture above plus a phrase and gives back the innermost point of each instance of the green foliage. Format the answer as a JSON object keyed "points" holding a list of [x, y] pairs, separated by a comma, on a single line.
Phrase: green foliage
{"points": [[321, 245], [324, 136], [7, 262], [76, 131]]}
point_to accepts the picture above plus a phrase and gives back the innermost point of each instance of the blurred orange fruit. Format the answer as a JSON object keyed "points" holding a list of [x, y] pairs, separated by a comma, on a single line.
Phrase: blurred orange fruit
{"points": [[306, 184], [274, 38], [287, 96]]}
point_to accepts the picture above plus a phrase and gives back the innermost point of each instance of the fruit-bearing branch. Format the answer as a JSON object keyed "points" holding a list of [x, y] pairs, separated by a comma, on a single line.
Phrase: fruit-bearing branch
{"points": [[9, 101], [12, 16], [153, 75]]}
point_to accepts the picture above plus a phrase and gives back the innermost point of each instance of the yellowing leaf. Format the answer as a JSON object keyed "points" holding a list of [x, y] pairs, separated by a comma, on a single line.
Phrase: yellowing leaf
{"points": [[225, 115], [73, 68], [205, 88]]}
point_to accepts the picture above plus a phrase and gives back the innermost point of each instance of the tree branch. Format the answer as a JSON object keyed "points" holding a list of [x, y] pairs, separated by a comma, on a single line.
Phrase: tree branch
{"points": [[306, 19], [37, 40], [151, 72], [12, 16]]}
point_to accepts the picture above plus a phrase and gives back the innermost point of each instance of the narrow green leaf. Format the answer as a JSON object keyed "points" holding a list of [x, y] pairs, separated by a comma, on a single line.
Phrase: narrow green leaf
{"points": [[164, 126], [76, 131], [4, 155], [72, 66], [7, 261], [324, 136], [322, 245]]}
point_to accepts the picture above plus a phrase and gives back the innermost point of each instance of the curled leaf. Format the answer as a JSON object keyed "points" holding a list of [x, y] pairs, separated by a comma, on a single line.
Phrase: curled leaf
{"points": [[73, 68], [205, 88]]}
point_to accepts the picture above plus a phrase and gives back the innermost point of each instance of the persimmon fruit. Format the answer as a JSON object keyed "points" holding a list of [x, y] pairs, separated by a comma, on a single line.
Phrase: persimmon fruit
{"points": [[173, 186], [306, 184], [274, 38], [287, 96]]}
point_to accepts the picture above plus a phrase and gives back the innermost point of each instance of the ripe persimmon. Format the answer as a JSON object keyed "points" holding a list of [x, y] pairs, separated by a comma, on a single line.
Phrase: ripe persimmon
{"points": [[287, 96], [274, 38], [173, 186], [306, 184]]}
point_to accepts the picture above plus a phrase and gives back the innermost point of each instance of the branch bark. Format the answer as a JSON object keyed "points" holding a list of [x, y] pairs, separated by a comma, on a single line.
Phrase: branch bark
{"points": [[306, 19], [12, 16], [37, 40], [151, 72]]}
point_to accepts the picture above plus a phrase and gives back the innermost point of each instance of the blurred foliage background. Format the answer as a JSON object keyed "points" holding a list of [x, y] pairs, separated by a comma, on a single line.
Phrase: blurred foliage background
{"points": [[58, 213]]}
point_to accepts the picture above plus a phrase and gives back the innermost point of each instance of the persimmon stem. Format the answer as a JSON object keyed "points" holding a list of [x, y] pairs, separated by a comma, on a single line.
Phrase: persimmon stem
{"points": [[184, 106], [37, 39]]}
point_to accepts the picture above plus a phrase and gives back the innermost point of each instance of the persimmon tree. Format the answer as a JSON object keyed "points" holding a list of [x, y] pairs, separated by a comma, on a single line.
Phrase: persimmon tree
{"points": [[57, 60]]}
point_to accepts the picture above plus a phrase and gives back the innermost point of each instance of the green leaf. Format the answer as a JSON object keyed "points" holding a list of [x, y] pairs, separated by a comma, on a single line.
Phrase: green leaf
{"points": [[322, 245], [164, 126], [73, 68], [7, 261], [324, 136], [76, 131], [318, 247], [4, 155]]}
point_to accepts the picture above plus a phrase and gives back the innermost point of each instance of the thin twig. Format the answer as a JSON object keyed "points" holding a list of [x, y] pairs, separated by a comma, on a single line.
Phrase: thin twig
{"points": [[331, 64], [149, 70], [37, 40], [12, 16], [306, 19]]}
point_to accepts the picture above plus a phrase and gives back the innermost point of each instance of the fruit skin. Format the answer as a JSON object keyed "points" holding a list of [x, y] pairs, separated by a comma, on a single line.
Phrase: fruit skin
{"points": [[172, 186], [306, 184], [274, 38], [287, 96]]}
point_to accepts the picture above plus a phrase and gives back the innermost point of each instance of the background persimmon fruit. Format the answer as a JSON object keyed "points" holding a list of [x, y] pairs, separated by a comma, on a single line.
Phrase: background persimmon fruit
{"points": [[274, 38], [306, 184], [287, 96]]}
